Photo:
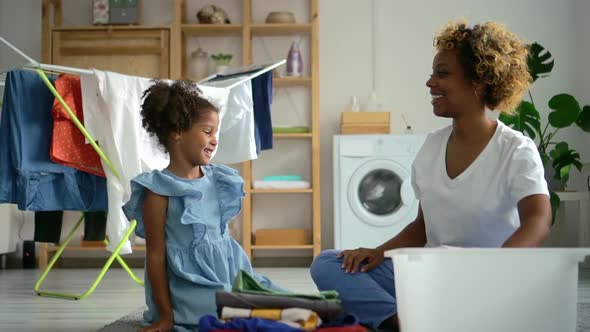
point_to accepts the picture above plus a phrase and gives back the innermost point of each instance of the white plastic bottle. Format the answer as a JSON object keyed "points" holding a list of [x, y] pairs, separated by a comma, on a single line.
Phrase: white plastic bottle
{"points": [[354, 105]]}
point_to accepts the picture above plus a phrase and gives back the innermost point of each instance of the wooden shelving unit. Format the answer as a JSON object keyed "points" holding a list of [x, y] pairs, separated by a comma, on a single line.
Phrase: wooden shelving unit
{"points": [[110, 28], [162, 53], [281, 191], [129, 49], [292, 81], [292, 135], [135, 50], [182, 30], [280, 29], [211, 29]]}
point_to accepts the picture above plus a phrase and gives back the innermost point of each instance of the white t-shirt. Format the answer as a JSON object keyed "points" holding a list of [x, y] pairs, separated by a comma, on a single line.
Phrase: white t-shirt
{"points": [[237, 143], [478, 208]]}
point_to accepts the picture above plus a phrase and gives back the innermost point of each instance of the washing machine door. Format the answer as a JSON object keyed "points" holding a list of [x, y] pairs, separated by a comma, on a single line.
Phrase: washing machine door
{"points": [[380, 192]]}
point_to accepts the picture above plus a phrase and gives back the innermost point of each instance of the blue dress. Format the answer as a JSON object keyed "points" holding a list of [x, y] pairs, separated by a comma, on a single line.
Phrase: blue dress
{"points": [[201, 256]]}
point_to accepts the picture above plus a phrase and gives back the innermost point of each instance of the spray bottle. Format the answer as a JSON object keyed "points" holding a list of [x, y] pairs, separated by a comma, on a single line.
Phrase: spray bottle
{"points": [[294, 60]]}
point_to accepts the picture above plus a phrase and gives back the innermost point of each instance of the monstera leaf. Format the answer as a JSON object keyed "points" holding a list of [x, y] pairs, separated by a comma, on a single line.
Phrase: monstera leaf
{"points": [[566, 111], [525, 119], [563, 159], [584, 119], [540, 61]]}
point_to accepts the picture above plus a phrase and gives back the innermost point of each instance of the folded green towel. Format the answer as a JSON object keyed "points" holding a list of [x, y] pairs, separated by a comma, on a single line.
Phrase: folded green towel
{"points": [[245, 283], [290, 130]]}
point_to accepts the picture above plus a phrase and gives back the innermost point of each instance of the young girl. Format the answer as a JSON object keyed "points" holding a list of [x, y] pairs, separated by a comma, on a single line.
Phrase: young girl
{"points": [[183, 212]]}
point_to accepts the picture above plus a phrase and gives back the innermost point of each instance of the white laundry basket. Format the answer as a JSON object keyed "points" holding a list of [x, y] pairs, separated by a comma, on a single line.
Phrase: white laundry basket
{"points": [[487, 290]]}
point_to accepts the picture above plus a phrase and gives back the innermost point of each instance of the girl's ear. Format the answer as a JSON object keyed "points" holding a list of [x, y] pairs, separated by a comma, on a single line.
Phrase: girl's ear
{"points": [[175, 136]]}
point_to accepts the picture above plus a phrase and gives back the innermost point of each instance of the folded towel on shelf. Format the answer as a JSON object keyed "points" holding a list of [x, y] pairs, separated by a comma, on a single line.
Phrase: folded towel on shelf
{"points": [[285, 177], [281, 184]]}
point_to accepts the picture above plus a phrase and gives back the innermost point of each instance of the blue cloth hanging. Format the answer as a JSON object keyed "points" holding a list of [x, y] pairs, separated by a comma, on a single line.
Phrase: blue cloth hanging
{"points": [[28, 177], [262, 98]]}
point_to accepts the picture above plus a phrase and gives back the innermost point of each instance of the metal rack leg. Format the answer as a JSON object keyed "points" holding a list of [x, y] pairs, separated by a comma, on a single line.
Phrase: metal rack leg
{"points": [[114, 255]]}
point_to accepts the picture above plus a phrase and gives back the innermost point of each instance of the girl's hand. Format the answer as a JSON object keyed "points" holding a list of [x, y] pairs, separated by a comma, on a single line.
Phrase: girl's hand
{"points": [[163, 325], [352, 259]]}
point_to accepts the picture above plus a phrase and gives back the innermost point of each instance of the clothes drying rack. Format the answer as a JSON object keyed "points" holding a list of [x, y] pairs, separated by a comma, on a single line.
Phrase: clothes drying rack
{"points": [[244, 75], [40, 68]]}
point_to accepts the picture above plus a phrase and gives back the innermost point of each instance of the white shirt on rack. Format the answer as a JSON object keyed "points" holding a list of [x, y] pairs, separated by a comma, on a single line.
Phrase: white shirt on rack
{"points": [[478, 208], [236, 131]]}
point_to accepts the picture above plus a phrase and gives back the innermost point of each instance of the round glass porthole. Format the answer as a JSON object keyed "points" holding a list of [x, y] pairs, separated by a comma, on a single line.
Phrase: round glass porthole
{"points": [[380, 192]]}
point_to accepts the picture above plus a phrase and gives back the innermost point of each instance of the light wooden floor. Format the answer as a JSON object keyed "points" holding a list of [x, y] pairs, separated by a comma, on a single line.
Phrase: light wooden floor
{"points": [[116, 296]]}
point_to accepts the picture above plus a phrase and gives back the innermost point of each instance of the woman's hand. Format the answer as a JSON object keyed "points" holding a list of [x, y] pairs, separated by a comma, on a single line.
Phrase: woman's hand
{"points": [[352, 259], [163, 325]]}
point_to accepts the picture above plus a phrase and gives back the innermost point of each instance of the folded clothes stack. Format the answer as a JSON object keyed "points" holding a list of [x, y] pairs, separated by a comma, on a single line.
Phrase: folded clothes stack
{"points": [[252, 307]]}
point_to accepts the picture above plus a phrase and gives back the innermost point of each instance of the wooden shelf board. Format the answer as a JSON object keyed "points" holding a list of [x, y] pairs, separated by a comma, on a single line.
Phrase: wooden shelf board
{"points": [[292, 81], [110, 27], [211, 29], [283, 247], [280, 29], [281, 191], [292, 135]]}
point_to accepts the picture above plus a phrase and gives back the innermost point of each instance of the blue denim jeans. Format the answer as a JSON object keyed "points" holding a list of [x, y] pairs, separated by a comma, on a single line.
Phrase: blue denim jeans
{"points": [[368, 295], [28, 177]]}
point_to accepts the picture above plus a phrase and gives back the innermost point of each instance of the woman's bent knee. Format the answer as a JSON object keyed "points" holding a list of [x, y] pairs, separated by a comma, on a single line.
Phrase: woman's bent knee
{"points": [[325, 265]]}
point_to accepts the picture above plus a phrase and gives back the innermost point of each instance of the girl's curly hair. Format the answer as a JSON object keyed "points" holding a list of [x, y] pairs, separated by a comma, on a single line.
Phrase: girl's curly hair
{"points": [[491, 55], [169, 108]]}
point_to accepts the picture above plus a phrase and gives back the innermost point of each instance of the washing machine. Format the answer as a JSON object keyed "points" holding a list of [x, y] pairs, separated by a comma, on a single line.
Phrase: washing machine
{"points": [[373, 195]]}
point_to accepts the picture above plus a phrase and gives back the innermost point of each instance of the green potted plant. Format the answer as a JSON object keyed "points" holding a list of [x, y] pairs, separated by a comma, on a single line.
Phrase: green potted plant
{"points": [[556, 155], [222, 61]]}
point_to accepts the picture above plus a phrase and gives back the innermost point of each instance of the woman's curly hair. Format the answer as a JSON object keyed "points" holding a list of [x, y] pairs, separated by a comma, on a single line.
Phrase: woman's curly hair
{"points": [[172, 108], [491, 55]]}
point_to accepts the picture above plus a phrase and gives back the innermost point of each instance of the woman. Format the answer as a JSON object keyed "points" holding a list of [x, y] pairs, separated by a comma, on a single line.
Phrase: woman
{"points": [[480, 183]]}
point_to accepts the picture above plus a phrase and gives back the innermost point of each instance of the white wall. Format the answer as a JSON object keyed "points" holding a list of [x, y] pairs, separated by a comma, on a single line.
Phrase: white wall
{"points": [[404, 43], [581, 87], [345, 63], [23, 33]]}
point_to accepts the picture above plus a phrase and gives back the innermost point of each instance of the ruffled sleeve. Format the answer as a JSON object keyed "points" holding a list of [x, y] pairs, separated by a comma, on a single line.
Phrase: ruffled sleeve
{"points": [[161, 184], [230, 191]]}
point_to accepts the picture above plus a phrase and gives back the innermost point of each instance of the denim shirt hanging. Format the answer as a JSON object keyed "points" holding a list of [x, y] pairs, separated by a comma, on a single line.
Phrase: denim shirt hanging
{"points": [[28, 177]]}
